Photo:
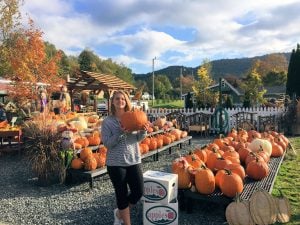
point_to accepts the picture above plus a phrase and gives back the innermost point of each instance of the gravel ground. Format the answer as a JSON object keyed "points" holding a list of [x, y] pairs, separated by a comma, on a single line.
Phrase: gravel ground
{"points": [[22, 202]]}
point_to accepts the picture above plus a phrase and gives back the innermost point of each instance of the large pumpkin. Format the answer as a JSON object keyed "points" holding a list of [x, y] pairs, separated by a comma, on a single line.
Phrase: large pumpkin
{"points": [[262, 207], [231, 184], [134, 120], [238, 212], [261, 144], [283, 213], [204, 180]]}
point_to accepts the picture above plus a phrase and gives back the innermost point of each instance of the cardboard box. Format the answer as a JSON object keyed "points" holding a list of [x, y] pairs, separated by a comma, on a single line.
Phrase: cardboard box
{"points": [[160, 186], [155, 213]]}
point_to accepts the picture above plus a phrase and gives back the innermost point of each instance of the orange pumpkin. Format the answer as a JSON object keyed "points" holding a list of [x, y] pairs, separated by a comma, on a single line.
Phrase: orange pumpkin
{"points": [[180, 167], [134, 120], [257, 169], [94, 139], [205, 180], [237, 168], [85, 153], [83, 141], [231, 184], [100, 158], [90, 163], [77, 164]]}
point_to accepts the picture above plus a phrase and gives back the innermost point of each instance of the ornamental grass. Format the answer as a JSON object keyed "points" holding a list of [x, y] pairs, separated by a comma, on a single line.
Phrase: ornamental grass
{"points": [[42, 147]]}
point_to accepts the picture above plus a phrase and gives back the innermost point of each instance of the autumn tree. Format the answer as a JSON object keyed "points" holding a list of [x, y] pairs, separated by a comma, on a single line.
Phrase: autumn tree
{"points": [[30, 65], [9, 23], [272, 63], [204, 96], [187, 83], [253, 88]]}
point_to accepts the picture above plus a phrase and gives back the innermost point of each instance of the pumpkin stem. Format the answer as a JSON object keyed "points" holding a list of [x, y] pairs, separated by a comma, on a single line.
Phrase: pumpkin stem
{"points": [[237, 197]]}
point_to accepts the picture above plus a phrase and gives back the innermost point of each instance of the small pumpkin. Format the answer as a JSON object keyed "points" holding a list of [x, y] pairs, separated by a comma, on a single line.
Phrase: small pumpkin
{"points": [[77, 164], [90, 163], [180, 167], [94, 139], [160, 121], [83, 141], [100, 158], [85, 153]]}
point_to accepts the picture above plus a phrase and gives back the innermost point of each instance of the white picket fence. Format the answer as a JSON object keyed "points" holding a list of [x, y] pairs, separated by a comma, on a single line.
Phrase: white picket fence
{"points": [[256, 111]]}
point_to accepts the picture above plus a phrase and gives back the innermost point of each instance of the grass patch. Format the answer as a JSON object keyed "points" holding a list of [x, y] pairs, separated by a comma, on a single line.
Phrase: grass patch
{"points": [[288, 180], [165, 104]]}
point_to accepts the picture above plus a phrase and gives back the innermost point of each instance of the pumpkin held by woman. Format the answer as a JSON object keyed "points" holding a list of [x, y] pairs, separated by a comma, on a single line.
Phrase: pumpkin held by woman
{"points": [[134, 120]]}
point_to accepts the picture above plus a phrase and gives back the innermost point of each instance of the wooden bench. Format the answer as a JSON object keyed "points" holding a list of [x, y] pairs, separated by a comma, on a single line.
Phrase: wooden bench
{"points": [[244, 120], [178, 118], [199, 122], [267, 123], [187, 198], [91, 175]]}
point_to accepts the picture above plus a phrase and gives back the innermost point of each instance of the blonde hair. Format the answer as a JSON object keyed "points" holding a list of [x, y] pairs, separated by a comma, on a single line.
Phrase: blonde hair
{"points": [[128, 103]]}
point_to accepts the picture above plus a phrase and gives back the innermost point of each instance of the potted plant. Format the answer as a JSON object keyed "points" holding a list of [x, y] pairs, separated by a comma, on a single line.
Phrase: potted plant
{"points": [[42, 146]]}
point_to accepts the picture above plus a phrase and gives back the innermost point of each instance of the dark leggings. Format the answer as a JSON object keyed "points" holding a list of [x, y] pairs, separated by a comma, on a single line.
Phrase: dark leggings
{"points": [[123, 176]]}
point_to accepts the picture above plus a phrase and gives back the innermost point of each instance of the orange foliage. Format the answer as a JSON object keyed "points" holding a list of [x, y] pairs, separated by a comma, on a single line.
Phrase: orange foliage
{"points": [[30, 65]]}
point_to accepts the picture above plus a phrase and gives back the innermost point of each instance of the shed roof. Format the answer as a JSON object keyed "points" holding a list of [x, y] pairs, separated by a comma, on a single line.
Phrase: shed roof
{"points": [[85, 80]]}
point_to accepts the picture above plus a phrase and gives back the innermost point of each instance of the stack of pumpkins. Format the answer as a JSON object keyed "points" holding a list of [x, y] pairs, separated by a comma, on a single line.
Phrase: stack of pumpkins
{"points": [[79, 134], [168, 135], [90, 160], [226, 161]]}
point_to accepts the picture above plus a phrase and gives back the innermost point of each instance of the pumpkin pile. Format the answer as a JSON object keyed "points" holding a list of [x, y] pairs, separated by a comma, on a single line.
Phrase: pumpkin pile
{"points": [[262, 208], [90, 160], [153, 142], [226, 161]]}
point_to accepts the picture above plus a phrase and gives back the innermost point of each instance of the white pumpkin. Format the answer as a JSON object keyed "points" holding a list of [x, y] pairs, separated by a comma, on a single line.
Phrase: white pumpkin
{"points": [[263, 144]]}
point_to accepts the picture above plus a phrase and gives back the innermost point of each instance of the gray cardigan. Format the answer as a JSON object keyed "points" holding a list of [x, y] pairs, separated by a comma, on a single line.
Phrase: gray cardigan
{"points": [[122, 148]]}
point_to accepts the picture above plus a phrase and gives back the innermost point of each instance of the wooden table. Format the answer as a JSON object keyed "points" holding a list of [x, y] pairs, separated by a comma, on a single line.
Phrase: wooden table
{"points": [[9, 135]]}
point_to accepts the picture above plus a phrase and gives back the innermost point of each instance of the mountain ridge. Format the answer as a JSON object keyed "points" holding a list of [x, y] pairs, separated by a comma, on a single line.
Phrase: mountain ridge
{"points": [[237, 67]]}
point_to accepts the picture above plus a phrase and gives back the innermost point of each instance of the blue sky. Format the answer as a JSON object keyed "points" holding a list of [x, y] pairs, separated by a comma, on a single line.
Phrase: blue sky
{"points": [[176, 32]]}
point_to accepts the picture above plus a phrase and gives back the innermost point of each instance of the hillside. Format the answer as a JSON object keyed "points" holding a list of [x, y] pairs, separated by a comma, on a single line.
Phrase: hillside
{"points": [[220, 68]]}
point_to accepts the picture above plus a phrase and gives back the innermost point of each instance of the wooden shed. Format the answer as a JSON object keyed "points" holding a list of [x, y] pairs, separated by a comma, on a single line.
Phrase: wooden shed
{"points": [[97, 82]]}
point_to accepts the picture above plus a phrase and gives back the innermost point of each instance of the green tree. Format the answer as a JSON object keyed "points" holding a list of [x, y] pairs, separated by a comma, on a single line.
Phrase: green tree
{"points": [[204, 96], [253, 87], [88, 61], [64, 64], [274, 78], [293, 77], [162, 86]]}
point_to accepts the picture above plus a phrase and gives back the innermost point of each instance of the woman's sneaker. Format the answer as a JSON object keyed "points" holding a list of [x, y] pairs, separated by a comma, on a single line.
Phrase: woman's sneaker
{"points": [[117, 221]]}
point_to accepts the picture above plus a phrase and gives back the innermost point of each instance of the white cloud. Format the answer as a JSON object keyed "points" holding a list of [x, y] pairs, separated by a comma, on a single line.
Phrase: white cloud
{"points": [[177, 32]]}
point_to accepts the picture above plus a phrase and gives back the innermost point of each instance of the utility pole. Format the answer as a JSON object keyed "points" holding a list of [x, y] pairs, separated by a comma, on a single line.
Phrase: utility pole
{"points": [[153, 81], [180, 83]]}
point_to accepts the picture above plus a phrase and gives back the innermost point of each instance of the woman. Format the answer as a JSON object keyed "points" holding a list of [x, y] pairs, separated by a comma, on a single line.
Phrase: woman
{"points": [[123, 158], [2, 113]]}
